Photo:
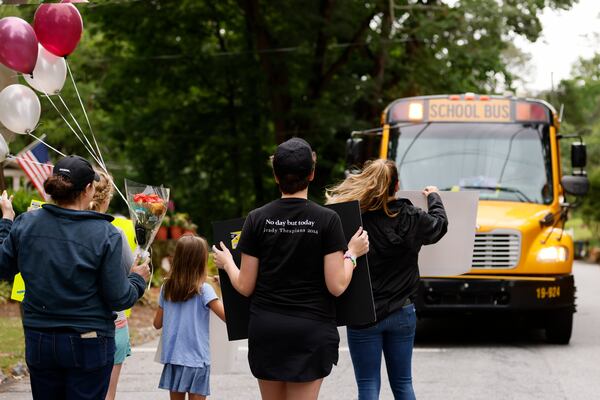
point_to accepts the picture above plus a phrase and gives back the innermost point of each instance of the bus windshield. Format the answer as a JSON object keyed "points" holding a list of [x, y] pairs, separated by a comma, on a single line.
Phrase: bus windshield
{"points": [[509, 162]]}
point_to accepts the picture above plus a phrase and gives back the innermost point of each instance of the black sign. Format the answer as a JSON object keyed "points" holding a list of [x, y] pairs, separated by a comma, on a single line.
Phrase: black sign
{"points": [[237, 307], [355, 306]]}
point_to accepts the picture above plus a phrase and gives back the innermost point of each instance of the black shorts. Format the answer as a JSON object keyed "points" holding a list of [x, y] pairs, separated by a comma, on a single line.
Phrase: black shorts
{"points": [[290, 348]]}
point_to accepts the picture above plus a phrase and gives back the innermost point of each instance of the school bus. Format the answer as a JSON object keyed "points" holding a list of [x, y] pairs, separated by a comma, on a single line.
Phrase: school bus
{"points": [[508, 149]]}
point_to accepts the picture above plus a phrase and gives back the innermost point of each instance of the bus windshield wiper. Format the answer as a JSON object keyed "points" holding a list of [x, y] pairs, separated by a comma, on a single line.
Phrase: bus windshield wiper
{"points": [[523, 196]]}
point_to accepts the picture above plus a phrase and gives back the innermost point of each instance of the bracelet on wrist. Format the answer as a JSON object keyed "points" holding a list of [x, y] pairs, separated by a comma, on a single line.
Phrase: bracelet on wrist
{"points": [[350, 257]]}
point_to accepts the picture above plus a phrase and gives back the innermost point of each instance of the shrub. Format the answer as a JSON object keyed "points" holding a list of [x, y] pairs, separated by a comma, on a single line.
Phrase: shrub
{"points": [[22, 199]]}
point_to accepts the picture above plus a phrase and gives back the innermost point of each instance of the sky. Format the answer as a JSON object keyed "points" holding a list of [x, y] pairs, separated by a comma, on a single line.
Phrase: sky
{"points": [[567, 36]]}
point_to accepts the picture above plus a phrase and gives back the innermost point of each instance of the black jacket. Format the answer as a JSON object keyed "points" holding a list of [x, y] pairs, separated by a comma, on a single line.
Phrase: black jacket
{"points": [[394, 245]]}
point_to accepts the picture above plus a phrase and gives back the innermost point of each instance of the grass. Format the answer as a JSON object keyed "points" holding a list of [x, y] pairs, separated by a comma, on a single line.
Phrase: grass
{"points": [[12, 345]]}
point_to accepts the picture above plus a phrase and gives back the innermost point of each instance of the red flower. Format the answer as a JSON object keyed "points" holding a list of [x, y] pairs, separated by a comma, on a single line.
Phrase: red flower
{"points": [[142, 198]]}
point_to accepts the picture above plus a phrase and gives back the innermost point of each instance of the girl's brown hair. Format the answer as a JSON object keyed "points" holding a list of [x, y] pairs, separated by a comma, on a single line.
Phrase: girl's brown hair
{"points": [[373, 187], [104, 190], [188, 269]]}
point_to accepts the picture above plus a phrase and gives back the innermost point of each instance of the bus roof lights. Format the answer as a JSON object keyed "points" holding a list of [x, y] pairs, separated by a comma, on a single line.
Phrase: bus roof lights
{"points": [[469, 96], [415, 111], [527, 111], [463, 108]]}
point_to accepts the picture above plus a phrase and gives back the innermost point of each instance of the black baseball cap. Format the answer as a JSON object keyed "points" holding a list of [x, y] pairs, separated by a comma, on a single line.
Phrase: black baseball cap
{"points": [[293, 157], [77, 170]]}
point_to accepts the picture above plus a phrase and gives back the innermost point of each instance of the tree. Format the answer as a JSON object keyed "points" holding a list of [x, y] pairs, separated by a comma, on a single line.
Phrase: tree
{"points": [[196, 94], [580, 96]]}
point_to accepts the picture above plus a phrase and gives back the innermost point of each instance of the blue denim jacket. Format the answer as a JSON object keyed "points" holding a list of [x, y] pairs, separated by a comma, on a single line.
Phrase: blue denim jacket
{"points": [[71, 263]]}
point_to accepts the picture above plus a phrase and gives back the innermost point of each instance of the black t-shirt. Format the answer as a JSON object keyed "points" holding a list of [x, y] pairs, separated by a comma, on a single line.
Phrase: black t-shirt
{"points": [[290, 237]]}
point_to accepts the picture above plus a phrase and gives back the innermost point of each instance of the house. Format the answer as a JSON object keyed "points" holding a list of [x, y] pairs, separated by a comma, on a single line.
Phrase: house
{"points": [[14, 177]]}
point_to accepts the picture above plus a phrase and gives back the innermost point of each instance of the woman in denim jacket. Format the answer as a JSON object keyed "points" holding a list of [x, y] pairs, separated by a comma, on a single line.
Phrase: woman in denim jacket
{"points": [[70, 260]]}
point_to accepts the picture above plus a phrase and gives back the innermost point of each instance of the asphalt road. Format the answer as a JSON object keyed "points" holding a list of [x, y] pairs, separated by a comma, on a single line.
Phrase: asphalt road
{"points": [[465, 358]]}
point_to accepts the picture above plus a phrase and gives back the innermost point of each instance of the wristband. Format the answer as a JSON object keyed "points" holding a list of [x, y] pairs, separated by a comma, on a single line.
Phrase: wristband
{"points": [[350, 257]]}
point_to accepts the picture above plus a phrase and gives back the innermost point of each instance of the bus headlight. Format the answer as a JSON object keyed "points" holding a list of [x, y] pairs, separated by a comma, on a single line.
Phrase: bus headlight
{"points": [[553, 254]]}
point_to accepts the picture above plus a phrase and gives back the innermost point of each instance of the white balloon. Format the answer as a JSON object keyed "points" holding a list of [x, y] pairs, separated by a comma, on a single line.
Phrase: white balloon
{"points": [[49, 74], [3, 149], [20, 109]]}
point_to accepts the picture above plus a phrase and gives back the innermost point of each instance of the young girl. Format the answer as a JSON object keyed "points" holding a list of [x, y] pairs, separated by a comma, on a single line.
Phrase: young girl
{"points": [[183, 313]]}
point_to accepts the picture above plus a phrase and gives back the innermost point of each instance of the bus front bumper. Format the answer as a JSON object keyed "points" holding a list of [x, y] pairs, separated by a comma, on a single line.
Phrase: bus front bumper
{"points": [[494, 293]]}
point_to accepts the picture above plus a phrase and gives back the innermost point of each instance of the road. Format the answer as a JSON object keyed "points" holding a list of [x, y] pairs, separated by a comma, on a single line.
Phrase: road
{"points": [[467, 358]]}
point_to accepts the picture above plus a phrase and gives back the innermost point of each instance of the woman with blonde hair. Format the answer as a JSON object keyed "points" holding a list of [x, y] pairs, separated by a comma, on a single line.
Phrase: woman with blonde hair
{"points": [[100, 202], [397, 230]]}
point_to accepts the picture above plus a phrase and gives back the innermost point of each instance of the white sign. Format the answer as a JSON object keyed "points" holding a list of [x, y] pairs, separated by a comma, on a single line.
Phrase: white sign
{"points": [[453, 254]]}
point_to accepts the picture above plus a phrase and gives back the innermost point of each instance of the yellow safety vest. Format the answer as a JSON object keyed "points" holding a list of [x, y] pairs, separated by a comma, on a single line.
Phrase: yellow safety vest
{"points": [[126, 225]]}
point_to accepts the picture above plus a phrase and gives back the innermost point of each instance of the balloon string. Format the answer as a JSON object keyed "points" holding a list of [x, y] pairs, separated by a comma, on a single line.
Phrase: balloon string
{"points": [[73, 130], [46, 144], [103, 166], [119, 192], [84, 112], [100, 161], [79, 126]]}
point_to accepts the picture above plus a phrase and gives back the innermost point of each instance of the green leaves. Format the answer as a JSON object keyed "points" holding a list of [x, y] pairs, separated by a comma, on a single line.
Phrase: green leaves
{"points": [[196, 94], [580, 96]]}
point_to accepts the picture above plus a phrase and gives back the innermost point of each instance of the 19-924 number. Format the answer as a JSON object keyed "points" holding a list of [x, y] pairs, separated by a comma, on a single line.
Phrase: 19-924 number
{"points": [[549, 292]]}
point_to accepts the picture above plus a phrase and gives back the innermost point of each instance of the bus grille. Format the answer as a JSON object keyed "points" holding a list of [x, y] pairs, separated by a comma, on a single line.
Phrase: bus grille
{"points": [[497, 249]]}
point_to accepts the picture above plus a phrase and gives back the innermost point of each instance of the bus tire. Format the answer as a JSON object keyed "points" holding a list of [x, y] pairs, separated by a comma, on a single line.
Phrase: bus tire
{"points": [[559, 326]]}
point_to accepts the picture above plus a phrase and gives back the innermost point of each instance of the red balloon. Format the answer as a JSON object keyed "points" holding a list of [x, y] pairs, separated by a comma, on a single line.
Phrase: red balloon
{"points": [[58, 27], [18, 45]]}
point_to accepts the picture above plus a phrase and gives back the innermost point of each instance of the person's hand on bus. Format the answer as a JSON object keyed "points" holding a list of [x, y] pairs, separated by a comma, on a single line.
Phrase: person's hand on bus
{"points": [[141, 268], [6, 205], [430, 189], [359, 243], [222, 256]]}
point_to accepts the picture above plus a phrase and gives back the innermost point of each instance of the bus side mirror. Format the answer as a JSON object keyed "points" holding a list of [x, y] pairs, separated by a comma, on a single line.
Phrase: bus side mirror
{"points": [[578, 155], [575, 185], [355, 150]]}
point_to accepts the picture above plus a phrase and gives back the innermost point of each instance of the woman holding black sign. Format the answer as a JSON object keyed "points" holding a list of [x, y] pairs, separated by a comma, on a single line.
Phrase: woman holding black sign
{"points": [[397, 231], [293, 264]]}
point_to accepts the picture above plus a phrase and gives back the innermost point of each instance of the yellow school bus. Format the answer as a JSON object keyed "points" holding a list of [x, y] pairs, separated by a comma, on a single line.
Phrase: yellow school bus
{"points": [[508, 150]]}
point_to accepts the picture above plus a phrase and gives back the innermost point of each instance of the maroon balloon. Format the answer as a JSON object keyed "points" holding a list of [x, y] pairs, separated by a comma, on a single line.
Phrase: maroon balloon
{"points": [[18, 45], [58, 27]]}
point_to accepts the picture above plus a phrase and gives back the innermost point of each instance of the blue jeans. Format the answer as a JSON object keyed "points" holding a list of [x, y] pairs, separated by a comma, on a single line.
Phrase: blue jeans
{"points": [[394, 336], [64, 366]]}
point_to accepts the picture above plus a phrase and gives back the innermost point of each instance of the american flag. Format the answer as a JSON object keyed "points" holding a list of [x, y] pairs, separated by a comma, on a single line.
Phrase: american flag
{"points": [[35, 164]]}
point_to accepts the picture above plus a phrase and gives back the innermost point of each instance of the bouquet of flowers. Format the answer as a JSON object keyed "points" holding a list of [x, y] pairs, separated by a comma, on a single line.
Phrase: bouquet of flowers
{"points": [[147, 207]]}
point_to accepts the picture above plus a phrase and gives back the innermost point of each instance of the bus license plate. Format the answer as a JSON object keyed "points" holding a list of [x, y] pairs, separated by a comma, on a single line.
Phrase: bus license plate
{"points": [[547, 292]]}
